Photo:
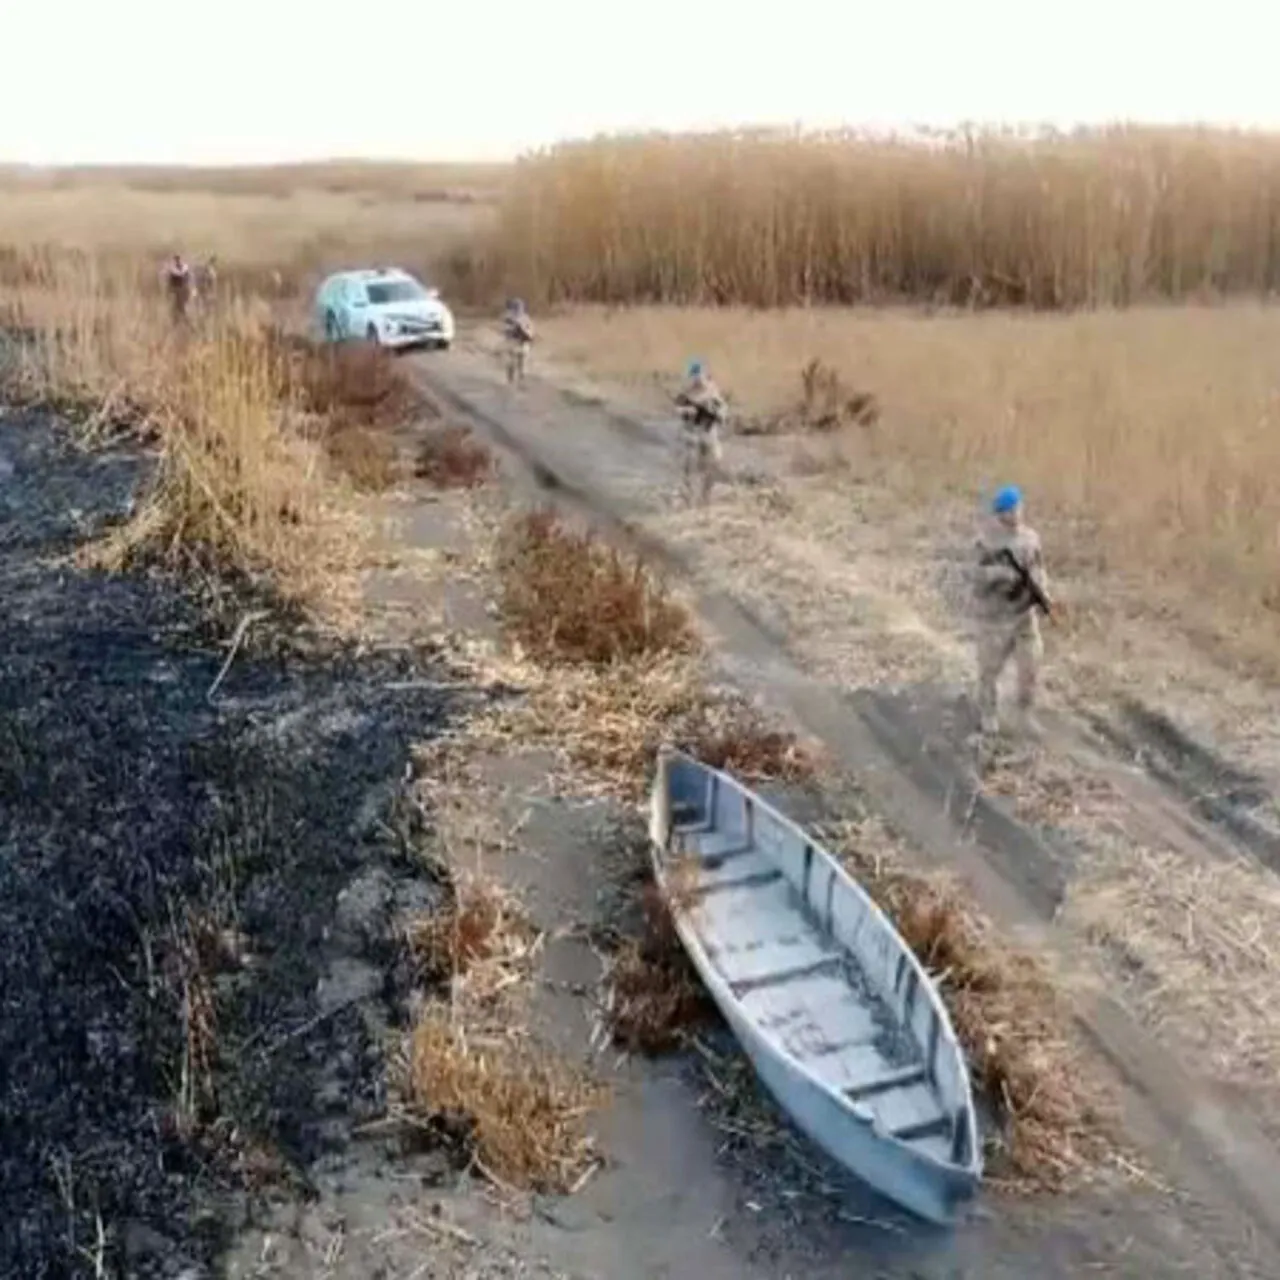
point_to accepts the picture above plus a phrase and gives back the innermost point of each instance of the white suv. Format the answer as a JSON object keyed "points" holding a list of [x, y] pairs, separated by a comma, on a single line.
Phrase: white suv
{"points": [[388, 306]]}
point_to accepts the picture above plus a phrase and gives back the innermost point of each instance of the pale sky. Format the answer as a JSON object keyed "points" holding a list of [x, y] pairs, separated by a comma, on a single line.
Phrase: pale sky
{"points": [[227, 81]]}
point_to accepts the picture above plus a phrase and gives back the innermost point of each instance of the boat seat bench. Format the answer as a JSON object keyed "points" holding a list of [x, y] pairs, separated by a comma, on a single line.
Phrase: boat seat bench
{"points": [[711, 846], [790, 980], [781, 939]]}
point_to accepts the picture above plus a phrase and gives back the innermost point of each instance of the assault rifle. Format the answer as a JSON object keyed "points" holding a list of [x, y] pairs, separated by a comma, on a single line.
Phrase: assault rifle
{"points": [[703, 414], [1027, 582]]}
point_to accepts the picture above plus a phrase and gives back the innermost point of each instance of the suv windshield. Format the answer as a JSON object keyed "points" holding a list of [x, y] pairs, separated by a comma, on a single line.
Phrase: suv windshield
{"points": [[384, 291]]}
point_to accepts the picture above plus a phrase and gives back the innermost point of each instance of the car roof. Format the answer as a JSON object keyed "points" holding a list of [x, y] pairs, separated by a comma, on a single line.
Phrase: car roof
{"points": [[375, 273], [367, 275]]}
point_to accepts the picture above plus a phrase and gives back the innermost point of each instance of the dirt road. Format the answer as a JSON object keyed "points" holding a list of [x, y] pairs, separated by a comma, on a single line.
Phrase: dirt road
{"points": [[618, 470]]}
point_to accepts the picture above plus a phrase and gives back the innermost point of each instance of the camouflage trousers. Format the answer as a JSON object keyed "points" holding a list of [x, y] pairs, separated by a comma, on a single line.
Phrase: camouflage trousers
{"points": [[516, 358], [700, 452], [999, 641]]}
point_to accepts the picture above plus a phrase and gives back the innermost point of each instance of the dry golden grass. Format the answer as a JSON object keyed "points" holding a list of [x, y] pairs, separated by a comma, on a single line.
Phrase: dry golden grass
{"points": [[1199, 945], [242, 483], [734, 735], [826, 404], [1008, 1013], [524, 1109], [567, 597], [613, 664], [481, 938], [357, 397], [654, 999], [1145, 440], [450, 457], [474, 1068], [343, 383], [774, 219], [427, 182], [274, 241], [367, 458], [607, 723]]}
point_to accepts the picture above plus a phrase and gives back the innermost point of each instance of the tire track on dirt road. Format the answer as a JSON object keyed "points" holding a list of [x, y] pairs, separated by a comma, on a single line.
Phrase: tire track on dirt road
{"points": [[580, 458]]}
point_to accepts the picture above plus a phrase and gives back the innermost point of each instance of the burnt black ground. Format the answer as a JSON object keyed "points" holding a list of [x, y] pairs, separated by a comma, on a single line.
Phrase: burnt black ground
{"points": [[152, 843]]}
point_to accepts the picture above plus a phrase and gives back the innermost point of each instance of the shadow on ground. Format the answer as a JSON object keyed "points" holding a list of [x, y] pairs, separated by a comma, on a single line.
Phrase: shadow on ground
{"points": [[199, 900]]}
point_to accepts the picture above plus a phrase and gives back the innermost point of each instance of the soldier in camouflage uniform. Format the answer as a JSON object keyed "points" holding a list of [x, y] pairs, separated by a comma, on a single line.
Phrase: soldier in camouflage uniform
{"points": [[1010, 576], [180, 286], [207, 284], [703, 412], [517, 332]]}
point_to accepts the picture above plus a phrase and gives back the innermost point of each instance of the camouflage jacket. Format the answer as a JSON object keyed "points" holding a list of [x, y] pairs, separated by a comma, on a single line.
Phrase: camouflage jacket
{"points": [[1001, 593]]}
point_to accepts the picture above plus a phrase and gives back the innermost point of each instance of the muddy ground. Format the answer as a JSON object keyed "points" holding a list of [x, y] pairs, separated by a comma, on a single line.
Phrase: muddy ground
{"points": [[198, 896]]}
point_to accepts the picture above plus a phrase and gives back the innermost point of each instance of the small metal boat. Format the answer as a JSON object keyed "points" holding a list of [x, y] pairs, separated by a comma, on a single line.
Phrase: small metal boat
{"points": [[840, 1020]]}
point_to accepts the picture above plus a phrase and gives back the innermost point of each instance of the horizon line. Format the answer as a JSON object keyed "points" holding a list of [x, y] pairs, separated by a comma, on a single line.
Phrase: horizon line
{"points": [[1028, 131]]}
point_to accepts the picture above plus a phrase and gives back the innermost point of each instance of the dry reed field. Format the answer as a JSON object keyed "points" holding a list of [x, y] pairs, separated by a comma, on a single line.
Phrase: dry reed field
{"points": [[428, 182], [1144, 435], [773, 219], [274, 231], [263, 440], [1145, 439]]}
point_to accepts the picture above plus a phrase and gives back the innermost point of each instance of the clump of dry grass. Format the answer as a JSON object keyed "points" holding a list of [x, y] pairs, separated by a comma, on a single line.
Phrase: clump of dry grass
{"points": [[1010, 1019], [481, 935], [566, 597], [616, 665], [826, 405], [358, 397], [654, 999], [450, 457], [524, 1109], [369, 459], [1106, 217], [238, 488], [337, 381], [729, 733], [609, 722]]}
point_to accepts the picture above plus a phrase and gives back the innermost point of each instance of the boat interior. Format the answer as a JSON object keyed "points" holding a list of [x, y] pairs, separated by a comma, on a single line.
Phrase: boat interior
{"points": [[813, 963]]}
